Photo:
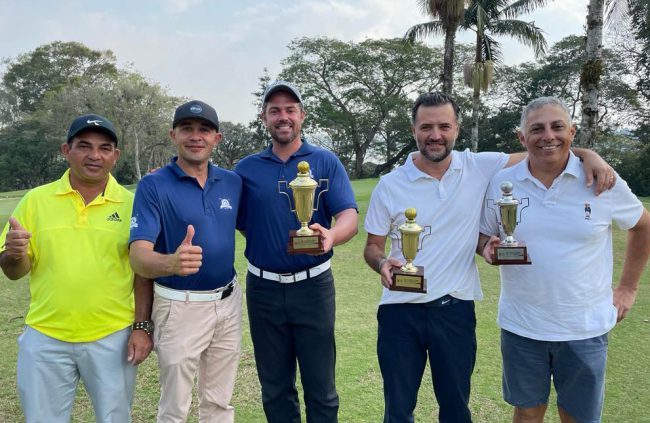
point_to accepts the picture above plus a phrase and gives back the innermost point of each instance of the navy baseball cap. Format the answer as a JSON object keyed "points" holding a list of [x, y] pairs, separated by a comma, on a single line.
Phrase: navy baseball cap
{"points": [[92, 122], [280, 85], [196, 109]]}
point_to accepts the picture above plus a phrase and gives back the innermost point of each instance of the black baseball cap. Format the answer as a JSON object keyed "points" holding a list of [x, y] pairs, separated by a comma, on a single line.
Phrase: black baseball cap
{"points": [[92, 122], [280, 85], [196, 109]]}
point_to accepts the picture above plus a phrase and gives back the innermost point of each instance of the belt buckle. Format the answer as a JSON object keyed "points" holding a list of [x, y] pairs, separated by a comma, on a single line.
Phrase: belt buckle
{"points": [[291, 275]]}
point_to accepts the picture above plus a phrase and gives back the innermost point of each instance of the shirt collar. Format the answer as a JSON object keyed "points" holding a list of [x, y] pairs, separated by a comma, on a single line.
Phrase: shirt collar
{"points": [[304, 150], [573, 168], [213, 173], [414, 173], [111, 191]]}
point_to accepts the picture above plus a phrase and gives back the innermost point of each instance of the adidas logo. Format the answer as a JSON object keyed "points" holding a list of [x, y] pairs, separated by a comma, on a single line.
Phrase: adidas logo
{"points": [[114, 218]]}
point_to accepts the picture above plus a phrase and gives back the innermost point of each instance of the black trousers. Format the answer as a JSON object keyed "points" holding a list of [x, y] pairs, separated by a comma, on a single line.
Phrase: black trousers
{"points": [[294, 324], [407, 333]]}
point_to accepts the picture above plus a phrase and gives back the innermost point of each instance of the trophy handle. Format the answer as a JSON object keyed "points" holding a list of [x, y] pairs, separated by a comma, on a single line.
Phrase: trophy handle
{"points": [[394, 231], [280, 191], [490, 204], [426, 233], [521, 210], [325, 182]]}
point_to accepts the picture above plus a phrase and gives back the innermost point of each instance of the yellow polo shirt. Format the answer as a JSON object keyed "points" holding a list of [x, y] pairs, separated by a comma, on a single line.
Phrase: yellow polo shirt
{"points": [[81, 283]]}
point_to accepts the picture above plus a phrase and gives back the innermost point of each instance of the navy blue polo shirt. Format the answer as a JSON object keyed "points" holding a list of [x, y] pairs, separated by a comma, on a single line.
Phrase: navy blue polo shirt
{"points": [[265, 215], [168, 200]]}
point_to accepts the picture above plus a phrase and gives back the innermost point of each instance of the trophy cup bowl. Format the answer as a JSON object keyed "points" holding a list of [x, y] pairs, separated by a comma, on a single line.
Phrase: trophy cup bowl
{"points": [[303, 187], [510, 251], [409, 278]]}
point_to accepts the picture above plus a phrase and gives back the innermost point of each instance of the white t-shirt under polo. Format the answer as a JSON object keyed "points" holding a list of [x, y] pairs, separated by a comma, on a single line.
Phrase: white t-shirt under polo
{"points": [[451, 207], [566, 294]]}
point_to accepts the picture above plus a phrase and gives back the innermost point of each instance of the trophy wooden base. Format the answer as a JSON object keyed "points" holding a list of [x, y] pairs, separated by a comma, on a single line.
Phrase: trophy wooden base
{"points": [[305, 244], [506, 255], [409, 282]]}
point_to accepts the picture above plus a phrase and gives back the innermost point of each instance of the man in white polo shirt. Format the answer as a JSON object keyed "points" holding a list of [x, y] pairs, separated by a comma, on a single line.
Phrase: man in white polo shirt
{"points": [[446, 188], [555, 314]]}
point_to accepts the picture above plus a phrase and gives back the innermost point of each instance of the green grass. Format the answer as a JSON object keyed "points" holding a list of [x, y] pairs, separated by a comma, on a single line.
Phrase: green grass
{"points": [[358, 378]]}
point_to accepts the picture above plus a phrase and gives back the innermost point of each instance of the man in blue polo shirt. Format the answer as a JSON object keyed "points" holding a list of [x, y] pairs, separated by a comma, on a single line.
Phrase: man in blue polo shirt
{"points": [[182, 213], [291, 297]]}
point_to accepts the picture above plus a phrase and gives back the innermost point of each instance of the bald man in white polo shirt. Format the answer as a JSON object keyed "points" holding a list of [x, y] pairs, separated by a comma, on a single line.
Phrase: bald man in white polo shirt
{"points": [[446, 188], [555, 314]]}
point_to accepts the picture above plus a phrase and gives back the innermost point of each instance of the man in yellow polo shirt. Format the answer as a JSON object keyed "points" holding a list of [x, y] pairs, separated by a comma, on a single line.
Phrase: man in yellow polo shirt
{"points": [[72, 236]]}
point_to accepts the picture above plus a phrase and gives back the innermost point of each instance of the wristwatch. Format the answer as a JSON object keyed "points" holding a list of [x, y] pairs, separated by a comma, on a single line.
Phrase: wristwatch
{"points": [[145, 325]]}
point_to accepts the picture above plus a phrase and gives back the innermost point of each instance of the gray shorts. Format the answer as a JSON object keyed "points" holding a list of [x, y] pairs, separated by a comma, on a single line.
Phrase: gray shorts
{"points": [[577, 369], [49, 371]]}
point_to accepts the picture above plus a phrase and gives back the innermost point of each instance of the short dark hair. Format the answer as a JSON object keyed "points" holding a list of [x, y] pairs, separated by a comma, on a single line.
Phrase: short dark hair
{"points": [[433, 99]]}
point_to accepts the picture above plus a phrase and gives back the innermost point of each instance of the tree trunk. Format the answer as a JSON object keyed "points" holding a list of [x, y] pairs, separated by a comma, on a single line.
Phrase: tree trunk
{"points": [[475, 117], [448, 61], [477, 93], [136, 155], [591, 72]]}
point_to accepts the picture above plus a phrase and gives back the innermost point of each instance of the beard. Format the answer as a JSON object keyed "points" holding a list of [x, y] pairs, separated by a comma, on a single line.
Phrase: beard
{"points": [[435, 156], [283, 138]]}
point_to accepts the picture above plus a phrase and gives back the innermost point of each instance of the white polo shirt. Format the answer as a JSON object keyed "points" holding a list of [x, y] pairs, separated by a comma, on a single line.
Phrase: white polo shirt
{"points": [[566, 294], [451, 207]]}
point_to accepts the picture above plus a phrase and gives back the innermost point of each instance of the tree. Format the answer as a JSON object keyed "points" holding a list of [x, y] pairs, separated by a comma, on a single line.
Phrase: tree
{"points": [[140, 109], [450, 15], [351, 90], [490, 19], [591, 72], [48, 68], [237, 141]]}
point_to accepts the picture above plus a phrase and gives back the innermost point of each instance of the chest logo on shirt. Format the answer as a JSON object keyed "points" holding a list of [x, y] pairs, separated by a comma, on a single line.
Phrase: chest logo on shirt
{"points": [[114, 218], [134, 222], [225, 204], [587, 211]]}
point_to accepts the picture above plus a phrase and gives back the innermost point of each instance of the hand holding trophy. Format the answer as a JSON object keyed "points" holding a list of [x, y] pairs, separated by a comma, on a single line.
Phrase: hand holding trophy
{"points": [[509, 251], [304, 240], [410, 278]]}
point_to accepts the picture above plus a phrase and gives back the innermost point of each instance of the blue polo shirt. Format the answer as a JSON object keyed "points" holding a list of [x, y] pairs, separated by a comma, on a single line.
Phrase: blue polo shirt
{"points": [[265, 215], [168, 200]]}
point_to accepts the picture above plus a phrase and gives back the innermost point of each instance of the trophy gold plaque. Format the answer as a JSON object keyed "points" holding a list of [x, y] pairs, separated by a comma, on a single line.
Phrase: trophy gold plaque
{"points": [[409, 277], [509, 251], [304, 240]]}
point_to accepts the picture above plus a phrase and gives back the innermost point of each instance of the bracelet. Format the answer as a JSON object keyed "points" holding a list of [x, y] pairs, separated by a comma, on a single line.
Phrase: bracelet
{"points": [[381, 263]]}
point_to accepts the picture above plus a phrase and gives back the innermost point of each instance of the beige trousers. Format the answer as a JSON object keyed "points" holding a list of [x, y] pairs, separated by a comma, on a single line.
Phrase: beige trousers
{"points": [[203, 336]]}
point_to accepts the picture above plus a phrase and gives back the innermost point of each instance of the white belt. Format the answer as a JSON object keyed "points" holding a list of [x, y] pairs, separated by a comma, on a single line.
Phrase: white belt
{"points": [[290, 277], [192, 296]]}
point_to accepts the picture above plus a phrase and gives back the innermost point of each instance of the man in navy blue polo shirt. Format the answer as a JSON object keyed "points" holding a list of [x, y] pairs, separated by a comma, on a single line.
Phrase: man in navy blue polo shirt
{"points": [[291, 297], [182, 213]]}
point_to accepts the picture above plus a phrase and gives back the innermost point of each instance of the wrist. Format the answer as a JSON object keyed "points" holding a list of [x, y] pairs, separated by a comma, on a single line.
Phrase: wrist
{"points": [[381, 264], [144, 325]]}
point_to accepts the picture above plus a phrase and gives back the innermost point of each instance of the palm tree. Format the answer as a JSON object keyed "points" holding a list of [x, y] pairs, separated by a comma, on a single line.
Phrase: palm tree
{"points": [[449, 14], [490, 19]]}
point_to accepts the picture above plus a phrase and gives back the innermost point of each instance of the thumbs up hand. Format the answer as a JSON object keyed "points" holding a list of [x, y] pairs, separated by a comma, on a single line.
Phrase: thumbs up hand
{"points": [[17, 240], [187, 258]]}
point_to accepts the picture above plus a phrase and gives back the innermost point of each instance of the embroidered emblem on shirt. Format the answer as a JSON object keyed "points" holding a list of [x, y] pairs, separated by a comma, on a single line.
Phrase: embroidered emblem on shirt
{"points": [[225, 204], [134, 222], [587, 211], [114, 218]]}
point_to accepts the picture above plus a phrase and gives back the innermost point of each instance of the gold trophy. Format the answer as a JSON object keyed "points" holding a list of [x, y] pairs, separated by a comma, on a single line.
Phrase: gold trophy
{"points": [[304, 240], [509, 251], [410, 278]]}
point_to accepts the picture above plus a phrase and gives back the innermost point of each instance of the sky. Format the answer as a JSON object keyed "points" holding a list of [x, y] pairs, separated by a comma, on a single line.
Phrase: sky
{"points": [[216, 50]]}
